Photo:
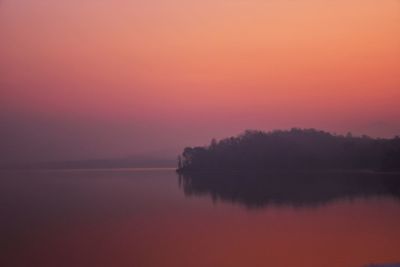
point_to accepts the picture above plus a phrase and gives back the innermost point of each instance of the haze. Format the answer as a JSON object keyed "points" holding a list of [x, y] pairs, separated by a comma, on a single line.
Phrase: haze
{"points": [[100, 79]]}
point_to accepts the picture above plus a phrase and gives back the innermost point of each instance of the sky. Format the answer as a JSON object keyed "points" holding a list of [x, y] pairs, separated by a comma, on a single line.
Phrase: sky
{"points": [[111, 78]]}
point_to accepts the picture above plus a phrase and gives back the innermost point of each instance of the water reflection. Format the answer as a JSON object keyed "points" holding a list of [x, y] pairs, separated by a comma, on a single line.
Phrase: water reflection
{"points": [[93, 218], [255, 190]]}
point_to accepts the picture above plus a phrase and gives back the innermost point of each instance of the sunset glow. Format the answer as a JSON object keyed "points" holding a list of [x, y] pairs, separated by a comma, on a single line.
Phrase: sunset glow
{"points": [[105, 78]]}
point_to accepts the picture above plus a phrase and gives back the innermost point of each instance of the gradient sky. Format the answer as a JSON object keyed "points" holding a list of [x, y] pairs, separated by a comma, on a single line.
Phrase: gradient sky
{"points": [[107, 78]]}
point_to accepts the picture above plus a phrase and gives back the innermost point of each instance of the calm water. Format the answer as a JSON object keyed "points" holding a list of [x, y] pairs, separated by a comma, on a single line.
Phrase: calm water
{"points": [[155, 218]]}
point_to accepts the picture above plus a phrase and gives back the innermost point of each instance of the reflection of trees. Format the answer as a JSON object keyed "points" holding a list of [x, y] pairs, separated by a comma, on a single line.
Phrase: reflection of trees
{"points": [[289, 188]]}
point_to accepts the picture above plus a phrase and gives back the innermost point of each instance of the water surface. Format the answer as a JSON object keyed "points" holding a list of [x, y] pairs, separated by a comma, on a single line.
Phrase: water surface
{"points": [[155, 218]]}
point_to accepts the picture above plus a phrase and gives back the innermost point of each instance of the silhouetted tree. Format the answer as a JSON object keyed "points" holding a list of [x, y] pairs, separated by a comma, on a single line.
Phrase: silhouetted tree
{"points": [[293, 149], [391, 160]]}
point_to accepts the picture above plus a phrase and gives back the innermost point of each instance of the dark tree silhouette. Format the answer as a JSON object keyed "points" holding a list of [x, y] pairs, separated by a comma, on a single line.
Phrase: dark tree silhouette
{"points": [[293, 149], [391, 159]]}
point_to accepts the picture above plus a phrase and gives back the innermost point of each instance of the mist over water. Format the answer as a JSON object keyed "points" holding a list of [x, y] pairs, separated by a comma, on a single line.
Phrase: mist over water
{"points": [[232, 94]]}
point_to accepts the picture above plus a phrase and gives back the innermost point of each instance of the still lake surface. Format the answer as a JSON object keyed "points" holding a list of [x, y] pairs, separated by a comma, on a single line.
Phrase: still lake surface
{"points": [[154, 218]]}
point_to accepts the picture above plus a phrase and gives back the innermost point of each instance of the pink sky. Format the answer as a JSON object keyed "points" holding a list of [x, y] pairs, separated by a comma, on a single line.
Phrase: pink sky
{"points": [[90, 79]]}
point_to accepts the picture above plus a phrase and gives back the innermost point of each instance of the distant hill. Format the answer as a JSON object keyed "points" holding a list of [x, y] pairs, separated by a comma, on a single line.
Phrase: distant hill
{"points": [[293, 149], [129, 162]]}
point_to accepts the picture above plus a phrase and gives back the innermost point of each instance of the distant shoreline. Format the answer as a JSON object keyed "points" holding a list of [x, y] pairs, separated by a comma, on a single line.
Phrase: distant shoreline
{"points": [[92, 169], [106, 164]]}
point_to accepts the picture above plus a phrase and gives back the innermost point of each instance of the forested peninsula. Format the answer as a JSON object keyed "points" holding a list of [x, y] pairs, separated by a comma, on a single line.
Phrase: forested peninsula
{"points": [[294, 149]]}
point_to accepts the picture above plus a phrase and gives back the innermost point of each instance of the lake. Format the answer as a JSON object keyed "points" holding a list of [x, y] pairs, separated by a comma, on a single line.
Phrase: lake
{"points": [[155, 218]]}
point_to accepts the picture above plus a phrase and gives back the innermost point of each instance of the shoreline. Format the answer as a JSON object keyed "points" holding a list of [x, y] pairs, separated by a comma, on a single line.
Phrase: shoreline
{"points": [[261, 171]]}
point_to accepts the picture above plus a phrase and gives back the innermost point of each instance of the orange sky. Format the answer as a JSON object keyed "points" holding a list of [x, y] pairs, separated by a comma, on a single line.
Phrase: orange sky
{"points": [[98, 78]]}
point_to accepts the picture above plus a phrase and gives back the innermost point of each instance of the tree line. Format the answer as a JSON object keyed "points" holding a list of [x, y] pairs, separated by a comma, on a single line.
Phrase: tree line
{"points": [[291, 150]]}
